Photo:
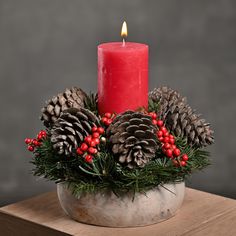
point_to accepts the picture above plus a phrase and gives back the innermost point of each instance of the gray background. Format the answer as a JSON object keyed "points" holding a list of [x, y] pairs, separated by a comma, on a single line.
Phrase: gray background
{"points": [[46, 46]]}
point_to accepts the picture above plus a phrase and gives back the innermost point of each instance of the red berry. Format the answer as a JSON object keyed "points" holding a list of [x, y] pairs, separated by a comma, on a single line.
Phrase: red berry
{"points": [[96, 140], [108, 115], [88, 139], [96, 135], [89, 158], [167, 146], [35, 142], [92, 150], [92, 143], [28, 140], [169, 153], [171, 141], [94, 129], [154, 122], [159, 133], [100, 130], [171, 136], [185, 157], [40, 136], [160, 123], [84, 147], [166, 134], [43, 133], [173, 146], [79, 151], [176, 152], [161, 139], [154, 116], [31, 148], [183, 163], [163, 129], [104, 119], [109, 121], [166, 140]]}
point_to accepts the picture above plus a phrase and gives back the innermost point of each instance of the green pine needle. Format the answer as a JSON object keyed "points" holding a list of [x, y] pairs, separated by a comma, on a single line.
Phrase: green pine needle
{"points": [[153, 106], [106, 174]]}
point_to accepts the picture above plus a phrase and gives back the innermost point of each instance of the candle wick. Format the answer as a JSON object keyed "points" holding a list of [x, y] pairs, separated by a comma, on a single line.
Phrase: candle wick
{"points": [[123, 42]]}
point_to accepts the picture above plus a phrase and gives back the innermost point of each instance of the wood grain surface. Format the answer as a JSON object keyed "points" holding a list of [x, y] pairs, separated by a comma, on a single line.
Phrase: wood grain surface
{"points": [[201, 214]]}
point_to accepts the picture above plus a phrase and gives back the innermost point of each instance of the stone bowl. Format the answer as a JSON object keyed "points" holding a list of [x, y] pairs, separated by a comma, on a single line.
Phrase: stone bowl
{"points": [[106, 209]]}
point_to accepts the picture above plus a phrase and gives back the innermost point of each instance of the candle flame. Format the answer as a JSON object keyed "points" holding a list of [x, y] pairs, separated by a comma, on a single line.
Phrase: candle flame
{"points": [[124, 30]]}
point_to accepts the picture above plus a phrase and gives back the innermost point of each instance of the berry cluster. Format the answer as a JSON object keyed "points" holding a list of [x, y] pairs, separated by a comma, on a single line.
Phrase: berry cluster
{"points": [[88, 148], [168, 143], [36, 142], [108, 118], [154, 119]]}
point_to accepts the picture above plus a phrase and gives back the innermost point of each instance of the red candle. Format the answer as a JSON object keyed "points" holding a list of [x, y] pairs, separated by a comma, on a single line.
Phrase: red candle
{"points": [[122, 76]]}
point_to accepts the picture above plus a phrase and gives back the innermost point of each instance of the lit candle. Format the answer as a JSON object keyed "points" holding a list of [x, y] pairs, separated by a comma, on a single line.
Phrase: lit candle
{"points": [[122, 75]]}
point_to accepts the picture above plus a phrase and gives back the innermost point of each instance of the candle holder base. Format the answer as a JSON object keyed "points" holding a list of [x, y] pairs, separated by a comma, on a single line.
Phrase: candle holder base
{"points": [[106, 209]]}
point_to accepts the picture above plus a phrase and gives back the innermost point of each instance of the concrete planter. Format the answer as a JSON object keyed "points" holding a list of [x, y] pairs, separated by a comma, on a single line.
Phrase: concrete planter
{"points": [[106, 209]]}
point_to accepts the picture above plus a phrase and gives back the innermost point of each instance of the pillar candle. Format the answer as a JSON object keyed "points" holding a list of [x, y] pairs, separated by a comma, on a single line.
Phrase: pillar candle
{"points": [[122, 76]]}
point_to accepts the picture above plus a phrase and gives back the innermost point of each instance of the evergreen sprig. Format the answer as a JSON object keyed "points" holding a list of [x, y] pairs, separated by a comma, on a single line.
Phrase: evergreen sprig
{"points": [[153, 106], [106, 174]]}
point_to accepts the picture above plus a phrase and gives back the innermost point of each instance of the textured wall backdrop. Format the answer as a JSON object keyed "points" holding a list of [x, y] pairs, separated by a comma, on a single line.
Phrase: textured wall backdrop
{"points": [[46, 46]]}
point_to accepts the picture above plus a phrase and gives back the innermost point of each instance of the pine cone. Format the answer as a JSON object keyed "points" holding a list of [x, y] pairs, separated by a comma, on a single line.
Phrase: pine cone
{"points": [[70, 129], [71, 98], [132, 137], [180, 118]]}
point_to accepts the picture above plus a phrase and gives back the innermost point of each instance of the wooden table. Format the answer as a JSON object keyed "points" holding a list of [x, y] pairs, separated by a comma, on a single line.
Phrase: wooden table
{"points": [[201, 214]]}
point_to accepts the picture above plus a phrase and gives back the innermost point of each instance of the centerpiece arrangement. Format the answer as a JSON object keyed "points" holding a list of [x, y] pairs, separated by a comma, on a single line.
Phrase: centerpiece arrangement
{"points": [[120, 156]]}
